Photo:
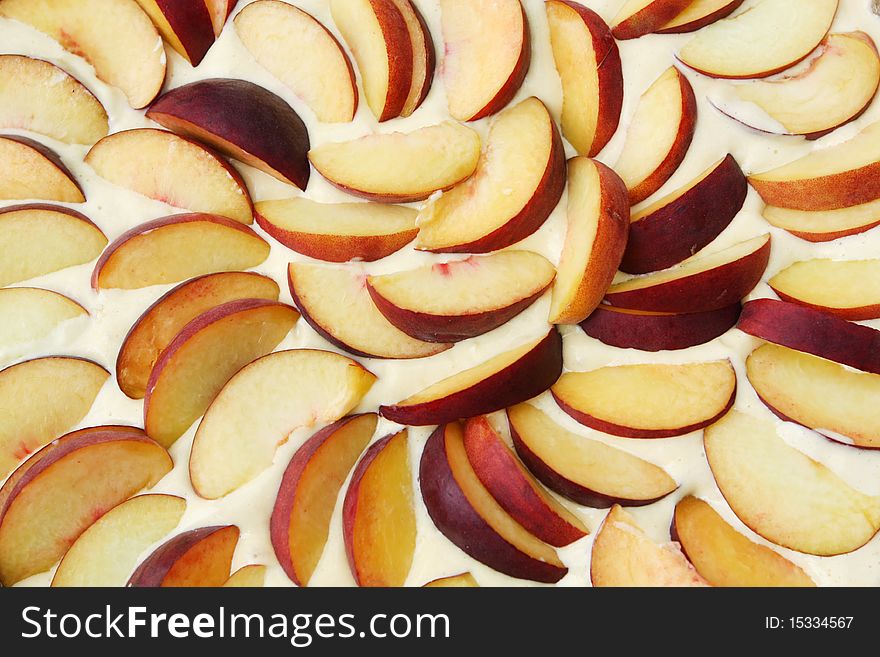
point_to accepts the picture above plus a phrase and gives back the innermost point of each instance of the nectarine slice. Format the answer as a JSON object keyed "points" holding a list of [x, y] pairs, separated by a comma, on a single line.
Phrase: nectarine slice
{"points": [[699, 13], [424, 58], [847, 288], [250, 576], [464, 580], [197, 558], [640, 17], [28, 169], [32, 313], [186, 26], [825, 225], [220, 10]]}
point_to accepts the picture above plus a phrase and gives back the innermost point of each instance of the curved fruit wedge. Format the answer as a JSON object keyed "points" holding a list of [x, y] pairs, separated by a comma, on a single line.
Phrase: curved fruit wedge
{"points": [[648, 401], [400, 167], [487, 48], [784, 495], [106, 553], [640, 17], [681, 223], [595, 239], [765, 39], [40, 400], [517, 184], [196, 365], [38, 96], [63, 489], [585, 471], [467, 514], [338, 232], [700, 13], [588, 63], [28, 169], [251, 576], [452, 301], [173, 248], [261, 405], [172, 169], [336, 303], [507, 379], [659, 135], [825, 225], [378, 516], [187, 26], [724, 556], [701, 283], [464, 580], [515, 489], [37, 239], [624, 556], [115, 37], [424, 57], [197, 558], [302, 53], [309, 489], [34, 314], [243, 121], [220, 11], [817, 393], [847, 288]]}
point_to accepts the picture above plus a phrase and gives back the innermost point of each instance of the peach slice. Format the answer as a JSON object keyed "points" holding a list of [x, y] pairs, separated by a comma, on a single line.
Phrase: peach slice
{"points": [[681, 223], [28, 169], [506, 379], [338, 232], [38, 96], [115, 37], [699, 284], [63, 489], [197, 558], [817, 393], [220, 11], [400, 167], [37, 239], [41, 399], [250, 576], [172, 169], [187, 26], [31, 313], [463, 580], [659, 135], [847, 288], [298, 50], [106, 553], [173, 248], [624, 556], [517, 184], [699, 13], [424, 57], [309, 489], [648, 401], [784, 495], [243, 121], [595, 239], [640, 17], [336, 303], [378, 514], [585, 471], [467, 514], [378, 36], [261, 405], [452, 301], [825, 225], [487, 46], [724, 556], [196, 365], [588, 63], [765, 39]]}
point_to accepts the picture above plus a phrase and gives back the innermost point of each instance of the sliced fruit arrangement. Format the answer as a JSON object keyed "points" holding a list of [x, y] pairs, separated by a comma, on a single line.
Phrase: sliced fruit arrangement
{"points": [[659, 135], [56, 494], [31, 313], [588, 63], [309, 489], [640, 17], [456, 300], [197, 558], [509, 378], [765, 39], [467, 514], [675, 227], [424, 57], [464, 580], [250, 576], [518, 182], [698, 14], [30, 170], [173, 248], [585, 471], [172, 169], [847, 288], [378, 514], [106, 553], [623, 555], [261, 405], [487, 45], [186, 26], [115, 37], [822, 395], [723, 556], [400, 167], [825, 225], [784, 495], [38, 96], [37, 239]]}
